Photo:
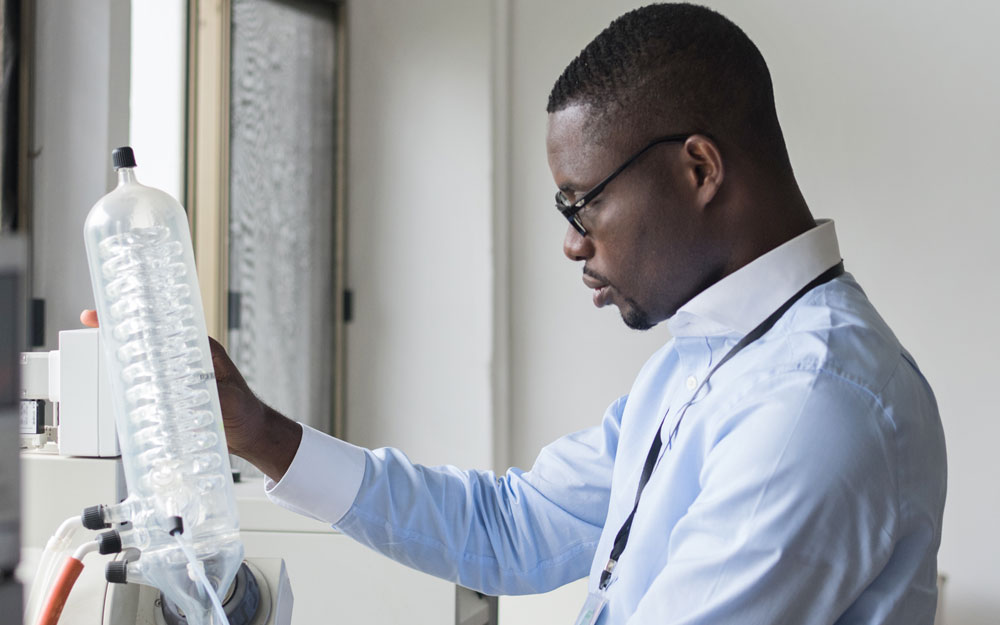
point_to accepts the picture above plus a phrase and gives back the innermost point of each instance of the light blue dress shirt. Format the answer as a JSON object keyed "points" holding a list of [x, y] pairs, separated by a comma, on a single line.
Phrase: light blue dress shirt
{"points": [[805, 486]]}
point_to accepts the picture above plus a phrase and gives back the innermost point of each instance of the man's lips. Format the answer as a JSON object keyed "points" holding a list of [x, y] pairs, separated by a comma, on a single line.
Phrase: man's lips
{"points": [[602, 290]]}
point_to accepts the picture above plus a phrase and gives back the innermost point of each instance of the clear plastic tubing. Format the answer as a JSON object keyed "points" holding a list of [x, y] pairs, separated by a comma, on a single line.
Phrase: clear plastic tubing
{"points": [[163, 386]]}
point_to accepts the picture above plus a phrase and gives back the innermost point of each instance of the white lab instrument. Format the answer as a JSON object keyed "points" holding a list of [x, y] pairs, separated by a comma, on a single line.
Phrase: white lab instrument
{"points": [[73, 378]]}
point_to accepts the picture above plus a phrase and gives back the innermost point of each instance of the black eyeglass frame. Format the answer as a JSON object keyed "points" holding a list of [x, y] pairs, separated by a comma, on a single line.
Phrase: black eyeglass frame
{"points": [[570, 210]]}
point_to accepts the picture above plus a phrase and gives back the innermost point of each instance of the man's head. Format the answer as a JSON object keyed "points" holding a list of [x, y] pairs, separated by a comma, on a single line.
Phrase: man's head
{"points": [[665, 227]]}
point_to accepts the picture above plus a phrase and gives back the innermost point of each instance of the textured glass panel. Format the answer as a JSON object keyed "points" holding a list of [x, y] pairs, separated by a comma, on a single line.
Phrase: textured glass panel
{"points": [[282, 204]]}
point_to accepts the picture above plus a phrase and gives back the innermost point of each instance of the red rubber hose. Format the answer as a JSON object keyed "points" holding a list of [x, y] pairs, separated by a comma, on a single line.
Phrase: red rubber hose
{"points": [[60, 592]]}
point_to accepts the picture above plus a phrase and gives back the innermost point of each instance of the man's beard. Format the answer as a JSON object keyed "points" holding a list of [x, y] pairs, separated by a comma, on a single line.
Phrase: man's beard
{"points": [[634, 316]]}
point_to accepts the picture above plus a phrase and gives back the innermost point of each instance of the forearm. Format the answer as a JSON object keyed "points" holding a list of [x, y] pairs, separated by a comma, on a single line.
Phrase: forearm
{"points": [[524, 533], [496, 536]]}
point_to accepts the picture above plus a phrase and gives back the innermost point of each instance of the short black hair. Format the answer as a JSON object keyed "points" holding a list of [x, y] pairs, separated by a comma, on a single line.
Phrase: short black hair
{"points": [[677, 68]]}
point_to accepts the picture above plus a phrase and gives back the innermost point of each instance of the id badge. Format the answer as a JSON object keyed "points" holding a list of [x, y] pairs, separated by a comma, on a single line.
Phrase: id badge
{"points": [[592, 608]]}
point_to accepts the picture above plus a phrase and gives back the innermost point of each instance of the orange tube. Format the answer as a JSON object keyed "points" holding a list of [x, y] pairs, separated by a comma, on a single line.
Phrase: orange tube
{"points": [[60, 592]]}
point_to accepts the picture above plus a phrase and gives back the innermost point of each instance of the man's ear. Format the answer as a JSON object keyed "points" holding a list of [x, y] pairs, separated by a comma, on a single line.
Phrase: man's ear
{"points": [[703, 161]]}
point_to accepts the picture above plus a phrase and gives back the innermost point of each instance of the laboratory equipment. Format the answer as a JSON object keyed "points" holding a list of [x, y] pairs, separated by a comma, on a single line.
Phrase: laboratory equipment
{"points": [[333, 578], [56, 487], [72, 380], [181, 503], [259, 595]]}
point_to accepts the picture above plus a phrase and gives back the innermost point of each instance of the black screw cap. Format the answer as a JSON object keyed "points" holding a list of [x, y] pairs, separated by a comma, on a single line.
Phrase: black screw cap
{"points": [[116, 571], [123, 157], [93, 518], [109, 542]]}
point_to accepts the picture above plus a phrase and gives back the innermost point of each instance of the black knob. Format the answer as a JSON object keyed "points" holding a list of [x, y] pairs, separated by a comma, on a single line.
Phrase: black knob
{"points": [[123, 157], [109, 542], [93, 518], [116, 571]]}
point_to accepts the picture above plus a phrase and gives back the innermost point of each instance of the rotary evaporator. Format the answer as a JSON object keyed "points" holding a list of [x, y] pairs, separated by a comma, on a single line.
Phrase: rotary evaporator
{"points": [[180, 515]]}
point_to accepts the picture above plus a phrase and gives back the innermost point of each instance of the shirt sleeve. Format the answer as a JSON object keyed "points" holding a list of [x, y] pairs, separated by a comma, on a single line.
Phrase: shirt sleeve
{"points": [[524, 532], [796, 514], [323, 478]]}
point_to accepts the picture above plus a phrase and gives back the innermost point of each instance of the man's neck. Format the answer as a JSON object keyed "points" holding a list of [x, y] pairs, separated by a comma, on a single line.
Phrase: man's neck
{"points": [[766, 221]]}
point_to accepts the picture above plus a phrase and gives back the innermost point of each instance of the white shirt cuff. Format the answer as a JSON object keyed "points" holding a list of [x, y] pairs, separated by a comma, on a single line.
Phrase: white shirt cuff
{"points": [[323, 479]]}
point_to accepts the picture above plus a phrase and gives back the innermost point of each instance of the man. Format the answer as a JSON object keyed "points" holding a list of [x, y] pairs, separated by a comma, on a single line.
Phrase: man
{"points": [[780, 460]]}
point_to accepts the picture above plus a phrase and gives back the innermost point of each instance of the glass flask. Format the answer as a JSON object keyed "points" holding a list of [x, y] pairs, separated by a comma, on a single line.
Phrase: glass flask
{"points": [[152, 328]]}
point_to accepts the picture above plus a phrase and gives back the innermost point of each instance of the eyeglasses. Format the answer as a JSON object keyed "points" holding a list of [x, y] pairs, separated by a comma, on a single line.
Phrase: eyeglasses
{"points": [[570, 210]]}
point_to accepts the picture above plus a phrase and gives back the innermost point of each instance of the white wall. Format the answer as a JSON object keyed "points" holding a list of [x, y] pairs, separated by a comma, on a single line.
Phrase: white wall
{"points": [[80, 114], [97, 88], [890, 116], [419, 223]]}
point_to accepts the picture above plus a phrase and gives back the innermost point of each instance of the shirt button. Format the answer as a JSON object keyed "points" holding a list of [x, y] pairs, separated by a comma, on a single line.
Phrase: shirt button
{"points": [[691, 382]]}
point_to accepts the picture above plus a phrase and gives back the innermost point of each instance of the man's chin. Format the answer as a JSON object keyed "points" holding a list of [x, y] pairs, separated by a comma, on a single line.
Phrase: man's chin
{"points": [[635, 318]]}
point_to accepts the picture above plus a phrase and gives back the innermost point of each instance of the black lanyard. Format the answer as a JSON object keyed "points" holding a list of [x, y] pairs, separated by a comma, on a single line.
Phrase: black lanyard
{"points": [[654, 451]]}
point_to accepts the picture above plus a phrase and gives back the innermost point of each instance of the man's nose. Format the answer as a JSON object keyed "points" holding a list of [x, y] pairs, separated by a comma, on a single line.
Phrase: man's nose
{"points": [[576, 246]]}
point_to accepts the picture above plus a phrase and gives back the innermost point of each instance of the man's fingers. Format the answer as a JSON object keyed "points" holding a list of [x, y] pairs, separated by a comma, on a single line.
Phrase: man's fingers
{"points": [[89, 318]]}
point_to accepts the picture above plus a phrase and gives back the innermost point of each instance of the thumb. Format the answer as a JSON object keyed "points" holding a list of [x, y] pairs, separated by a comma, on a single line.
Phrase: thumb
{"points": [[225, 371]]}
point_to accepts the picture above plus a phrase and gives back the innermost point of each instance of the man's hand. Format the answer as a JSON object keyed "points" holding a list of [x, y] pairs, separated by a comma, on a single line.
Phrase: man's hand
{"points": [[253, 429]]}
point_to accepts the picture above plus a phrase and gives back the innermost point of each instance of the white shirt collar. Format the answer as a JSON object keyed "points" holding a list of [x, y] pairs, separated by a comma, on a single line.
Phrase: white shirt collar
{"points": [[744, 298]]}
